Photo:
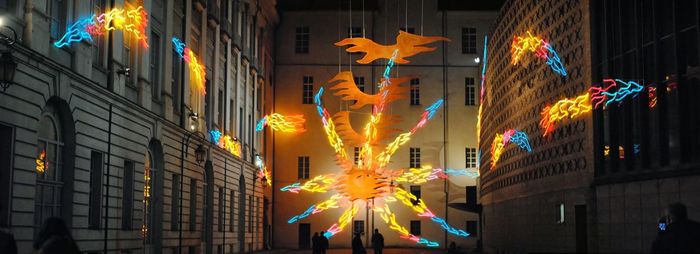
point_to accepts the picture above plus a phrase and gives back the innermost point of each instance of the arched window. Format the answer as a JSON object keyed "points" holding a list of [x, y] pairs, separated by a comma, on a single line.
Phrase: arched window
{"points": [[148, 174], [49, 182]]}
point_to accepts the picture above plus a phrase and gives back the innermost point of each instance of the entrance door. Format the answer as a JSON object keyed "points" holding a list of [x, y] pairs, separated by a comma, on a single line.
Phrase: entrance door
{"points": [[581, 229], [304, 235]]}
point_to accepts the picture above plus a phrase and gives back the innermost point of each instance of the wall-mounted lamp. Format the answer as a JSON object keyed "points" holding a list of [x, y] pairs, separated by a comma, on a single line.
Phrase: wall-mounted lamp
{"points": [[8, 66], [200, 153], [124, 71]]}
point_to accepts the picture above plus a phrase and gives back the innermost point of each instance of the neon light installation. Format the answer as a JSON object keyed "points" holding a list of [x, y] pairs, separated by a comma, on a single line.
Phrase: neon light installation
{"points": [[540, 47], [481, 105], [225, 142], [41, 163], [604, 95], [131, 20], [563, 108], [263, 174], [279, 122], [369, 178], [509, 136], [407, 45]]}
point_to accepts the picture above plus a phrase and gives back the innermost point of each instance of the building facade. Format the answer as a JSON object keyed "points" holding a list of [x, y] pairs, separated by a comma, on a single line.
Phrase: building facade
{"points": [[601, 179], [94, 132], [306, 60]]}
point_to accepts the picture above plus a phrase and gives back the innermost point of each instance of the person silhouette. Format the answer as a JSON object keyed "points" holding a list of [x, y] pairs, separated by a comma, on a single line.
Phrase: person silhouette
{"points": [[316, 244], [323, 243], [680, 234], [54, 237], [357, 247], [377, 242]]}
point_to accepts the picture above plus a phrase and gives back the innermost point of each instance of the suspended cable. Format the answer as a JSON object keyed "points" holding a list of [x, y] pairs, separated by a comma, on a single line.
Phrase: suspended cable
{"points": [[363, 19], [421, 17]]}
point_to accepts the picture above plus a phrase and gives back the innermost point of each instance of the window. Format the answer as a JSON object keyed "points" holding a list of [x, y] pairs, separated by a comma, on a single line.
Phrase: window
{"points": [[240, 123], [414, 157], [98, 6], [49, 184], [560, 213], [176, 80], [471, 228], [358, 227], [308, 90], [232, 118], [301, 42], [95, 211], [468, 40], [175, 203], [231, 210], [220, 115], [470, 157], [221, 210], [415, 191], [250, 213], [357, 156], [409, 30], [471, 195], [469, 92], [360, 83], [149, 215], [415, 91], [193, 204], [155, 66], [415, 227], [303, 164], [355, 32], [7, 139], [56, 10], [128, 195]]}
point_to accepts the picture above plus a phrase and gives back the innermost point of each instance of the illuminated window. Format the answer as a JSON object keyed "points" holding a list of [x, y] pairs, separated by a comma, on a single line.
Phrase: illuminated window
{"points": [[128, 195], [414, 157], [471, 157], [301, 43], [469, 92], [303, 167], [560, 213], [415, 91], [357, 155], [49, 184], [415, 227], [308, 90], [468, 40]]}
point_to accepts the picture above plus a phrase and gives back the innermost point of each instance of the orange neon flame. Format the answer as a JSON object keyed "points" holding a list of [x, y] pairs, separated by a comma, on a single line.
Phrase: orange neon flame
{"points": [[41, 164], [407, 45]]}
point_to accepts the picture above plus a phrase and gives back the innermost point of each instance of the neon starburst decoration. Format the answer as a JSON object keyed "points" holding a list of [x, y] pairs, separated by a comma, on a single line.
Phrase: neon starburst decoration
{"points": [[369, 179]]}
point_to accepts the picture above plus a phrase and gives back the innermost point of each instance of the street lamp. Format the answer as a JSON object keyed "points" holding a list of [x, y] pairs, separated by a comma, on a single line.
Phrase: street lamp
{"points": [[8, 66], [200, 153]]}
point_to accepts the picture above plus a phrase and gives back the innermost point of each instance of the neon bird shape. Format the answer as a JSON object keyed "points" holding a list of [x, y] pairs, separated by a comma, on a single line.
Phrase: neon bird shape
{"points": [[541, 48], [225, 142], [369, 178], [407, 45], [482, 92], [197, 71], [562, 109], [604, 95], [133, 21], [279, 122], [263, 173], [500, 141]]}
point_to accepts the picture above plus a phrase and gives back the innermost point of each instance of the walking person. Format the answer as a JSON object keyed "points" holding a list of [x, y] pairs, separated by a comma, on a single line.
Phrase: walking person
{"points": [[357, 247], [377, 242], [323, 242], [677, 233], [54, 237], [316, 244]]}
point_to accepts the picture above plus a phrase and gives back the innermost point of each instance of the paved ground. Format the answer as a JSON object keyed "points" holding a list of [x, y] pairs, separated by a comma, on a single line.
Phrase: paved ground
{"points": [[369, 251]]}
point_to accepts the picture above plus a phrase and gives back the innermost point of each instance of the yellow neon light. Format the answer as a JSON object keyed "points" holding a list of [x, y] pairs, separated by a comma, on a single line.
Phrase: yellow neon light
{"points": [[563, 108]]}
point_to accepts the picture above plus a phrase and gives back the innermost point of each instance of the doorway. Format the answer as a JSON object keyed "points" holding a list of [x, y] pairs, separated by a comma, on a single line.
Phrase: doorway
{"points": [[304, 235], [581, 229]]}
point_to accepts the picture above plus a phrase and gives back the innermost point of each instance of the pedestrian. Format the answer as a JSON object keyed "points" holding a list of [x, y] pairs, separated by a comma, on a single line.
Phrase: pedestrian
{"points": [[357, 247], [323, 242], [7, 243], [54, 237], [679, 234], [316, 244], [452, 249], [377, 242]]}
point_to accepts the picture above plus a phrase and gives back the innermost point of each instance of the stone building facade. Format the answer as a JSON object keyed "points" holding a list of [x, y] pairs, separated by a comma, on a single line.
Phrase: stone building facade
{"points": [[598, 182], [107, 120], [307, 58]]}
